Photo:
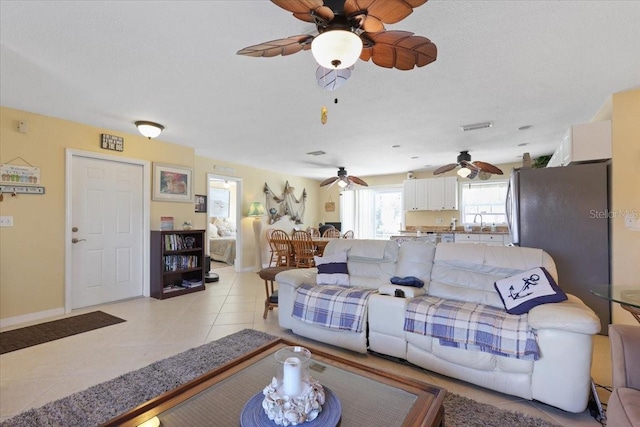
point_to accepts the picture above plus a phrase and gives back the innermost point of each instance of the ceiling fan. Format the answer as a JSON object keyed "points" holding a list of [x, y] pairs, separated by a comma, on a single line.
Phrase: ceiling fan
{"points": [[343, 179], [468, 169], [348, 29]]}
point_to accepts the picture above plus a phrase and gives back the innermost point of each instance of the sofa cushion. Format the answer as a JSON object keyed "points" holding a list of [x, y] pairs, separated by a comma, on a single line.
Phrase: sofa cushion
{"points": [[371, 263], [467, 272], [523, 291], [332, 269]]}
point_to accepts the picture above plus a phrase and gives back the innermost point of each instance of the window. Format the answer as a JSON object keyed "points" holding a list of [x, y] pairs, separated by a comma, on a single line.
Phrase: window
{"points": [[372, 213], [486, 198]]}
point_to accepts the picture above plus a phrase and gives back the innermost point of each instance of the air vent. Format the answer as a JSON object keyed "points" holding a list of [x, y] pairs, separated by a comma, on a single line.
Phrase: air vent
{"points": [[317, 153], [476, 126]]}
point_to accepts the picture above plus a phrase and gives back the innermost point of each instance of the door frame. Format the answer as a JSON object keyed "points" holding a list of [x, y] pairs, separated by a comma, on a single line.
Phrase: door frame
{"points": [[238, 181], [70, 153]]}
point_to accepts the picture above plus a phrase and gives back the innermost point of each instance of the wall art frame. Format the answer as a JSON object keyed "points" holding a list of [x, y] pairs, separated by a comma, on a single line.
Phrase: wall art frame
{"points": [[172, 183], [201, 203], [219, 202]]}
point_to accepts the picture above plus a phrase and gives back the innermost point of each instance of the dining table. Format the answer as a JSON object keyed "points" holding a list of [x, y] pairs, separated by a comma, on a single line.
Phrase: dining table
{"points": [[319, 242]]}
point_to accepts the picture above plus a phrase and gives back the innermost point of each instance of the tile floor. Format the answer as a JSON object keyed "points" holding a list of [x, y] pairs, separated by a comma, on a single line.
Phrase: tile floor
{"points": [[158, 329]]}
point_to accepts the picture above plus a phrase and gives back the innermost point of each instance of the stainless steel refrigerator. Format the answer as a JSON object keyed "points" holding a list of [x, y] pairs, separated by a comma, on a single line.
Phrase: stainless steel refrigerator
{"points": [[565, 211]]}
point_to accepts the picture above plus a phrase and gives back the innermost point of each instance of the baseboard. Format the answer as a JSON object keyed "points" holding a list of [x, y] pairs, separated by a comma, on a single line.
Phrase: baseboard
{"points": [[31, 317]]}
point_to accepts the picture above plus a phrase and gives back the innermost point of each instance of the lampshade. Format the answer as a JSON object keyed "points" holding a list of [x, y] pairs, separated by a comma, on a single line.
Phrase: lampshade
{"points": [[149, 129], [342, 184], [464, 172], [256, 209], [336, 49]]}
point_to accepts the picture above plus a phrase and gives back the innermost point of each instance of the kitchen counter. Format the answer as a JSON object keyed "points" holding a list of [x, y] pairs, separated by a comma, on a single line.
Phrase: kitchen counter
{"points": [[414, 233]]}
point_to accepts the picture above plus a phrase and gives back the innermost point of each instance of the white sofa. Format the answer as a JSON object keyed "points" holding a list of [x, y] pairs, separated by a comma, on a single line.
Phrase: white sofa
{"points": [[561, 377]]}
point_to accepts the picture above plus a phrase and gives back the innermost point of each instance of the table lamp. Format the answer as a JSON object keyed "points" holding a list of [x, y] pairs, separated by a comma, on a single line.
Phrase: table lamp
{"points": [[256, 210]]}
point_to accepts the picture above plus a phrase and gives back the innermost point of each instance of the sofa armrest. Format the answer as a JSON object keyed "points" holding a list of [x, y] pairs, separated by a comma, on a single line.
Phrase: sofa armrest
{"points": [[570, 315], [625, 353], [409, 291], [297, 277]]}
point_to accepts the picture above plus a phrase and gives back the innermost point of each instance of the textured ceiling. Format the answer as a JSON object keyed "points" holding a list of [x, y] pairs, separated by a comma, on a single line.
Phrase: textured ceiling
{"points": [[548, 64]]}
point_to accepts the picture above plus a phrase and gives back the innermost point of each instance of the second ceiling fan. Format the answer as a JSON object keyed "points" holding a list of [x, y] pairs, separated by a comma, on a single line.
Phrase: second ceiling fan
{"points": [[343, 179], [470, 169]]}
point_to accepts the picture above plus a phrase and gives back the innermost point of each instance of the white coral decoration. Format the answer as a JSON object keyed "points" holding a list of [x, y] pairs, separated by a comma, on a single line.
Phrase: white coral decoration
{"points": [[286, 411]]}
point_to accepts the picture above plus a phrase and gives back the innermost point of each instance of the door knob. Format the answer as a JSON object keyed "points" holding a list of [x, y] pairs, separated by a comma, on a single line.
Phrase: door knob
{"points": [[75, 240]]}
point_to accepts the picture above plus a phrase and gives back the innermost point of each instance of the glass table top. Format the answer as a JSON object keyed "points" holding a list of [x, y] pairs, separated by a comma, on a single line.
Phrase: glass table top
{"points": [[626, 295]]}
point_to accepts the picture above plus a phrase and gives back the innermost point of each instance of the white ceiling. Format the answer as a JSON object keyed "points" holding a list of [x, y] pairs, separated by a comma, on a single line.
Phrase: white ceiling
{"points": [[548, 64]]}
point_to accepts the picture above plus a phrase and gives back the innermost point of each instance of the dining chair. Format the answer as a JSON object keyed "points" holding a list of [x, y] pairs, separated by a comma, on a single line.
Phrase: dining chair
{"points": [[272, 248], [348, 234], [283, 247], [332, 233], [304, 249]]}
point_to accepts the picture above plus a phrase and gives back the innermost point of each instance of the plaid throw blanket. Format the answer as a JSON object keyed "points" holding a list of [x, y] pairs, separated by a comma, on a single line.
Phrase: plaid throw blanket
{"points": [[472, 326], [334, 307]]}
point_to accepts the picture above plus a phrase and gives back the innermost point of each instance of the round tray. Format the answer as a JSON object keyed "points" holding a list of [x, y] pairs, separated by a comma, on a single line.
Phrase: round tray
{"points": [[253, 415]]}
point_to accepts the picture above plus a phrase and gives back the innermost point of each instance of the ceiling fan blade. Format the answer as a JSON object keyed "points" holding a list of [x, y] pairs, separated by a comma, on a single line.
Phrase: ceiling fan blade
{"points": [[358, 180], [470, 166], [399, 49], [488, 167], [329, 181], [445, 168], [302, 9], [282, 47]]}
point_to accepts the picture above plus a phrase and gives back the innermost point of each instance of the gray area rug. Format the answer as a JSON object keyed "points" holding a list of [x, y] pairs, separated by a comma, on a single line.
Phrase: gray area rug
{"points": [[105, 401]]}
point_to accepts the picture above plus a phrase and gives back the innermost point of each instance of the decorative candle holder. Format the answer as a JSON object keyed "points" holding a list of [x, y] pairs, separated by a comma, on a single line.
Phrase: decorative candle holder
{"points": [[293, 397]]}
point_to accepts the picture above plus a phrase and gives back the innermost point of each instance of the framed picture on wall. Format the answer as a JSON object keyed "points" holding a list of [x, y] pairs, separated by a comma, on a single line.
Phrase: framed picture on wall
{"points": [[172, 183], [201, 203], [219, 202]]}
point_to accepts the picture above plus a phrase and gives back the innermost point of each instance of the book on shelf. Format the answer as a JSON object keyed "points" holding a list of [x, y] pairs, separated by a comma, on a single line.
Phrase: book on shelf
{"points": [[191, 283], [171, 288]]}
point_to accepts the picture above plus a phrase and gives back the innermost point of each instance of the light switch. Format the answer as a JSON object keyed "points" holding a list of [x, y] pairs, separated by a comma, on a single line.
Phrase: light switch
{"points": [[6, 221], [632, 221]]}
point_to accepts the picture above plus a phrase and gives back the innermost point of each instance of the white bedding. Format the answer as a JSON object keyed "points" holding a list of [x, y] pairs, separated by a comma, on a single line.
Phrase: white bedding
{"points": [[223, 249]]}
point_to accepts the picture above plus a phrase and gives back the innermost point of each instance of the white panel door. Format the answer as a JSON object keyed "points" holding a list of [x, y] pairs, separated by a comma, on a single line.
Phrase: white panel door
{"points": [[107, 221]]}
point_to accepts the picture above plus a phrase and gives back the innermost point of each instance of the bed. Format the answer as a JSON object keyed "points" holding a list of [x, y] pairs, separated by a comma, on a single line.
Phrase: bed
{"points": [[222, 240]]}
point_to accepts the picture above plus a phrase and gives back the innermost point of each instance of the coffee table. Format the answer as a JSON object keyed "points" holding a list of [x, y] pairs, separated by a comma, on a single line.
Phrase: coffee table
{"points": [[368, 396]]}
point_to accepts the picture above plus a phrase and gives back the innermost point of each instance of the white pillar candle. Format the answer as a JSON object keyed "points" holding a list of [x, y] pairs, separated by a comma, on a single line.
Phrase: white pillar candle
{"points": [[292, 377]]}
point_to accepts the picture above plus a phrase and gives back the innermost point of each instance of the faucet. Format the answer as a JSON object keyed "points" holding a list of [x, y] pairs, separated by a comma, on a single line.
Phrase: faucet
{"points": [[481, 222]]}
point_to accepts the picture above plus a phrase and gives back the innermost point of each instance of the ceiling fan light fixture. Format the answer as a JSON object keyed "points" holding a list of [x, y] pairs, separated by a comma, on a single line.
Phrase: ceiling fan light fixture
{"points": [[464, 172], [336, 49], [342, 184], [149, 129]]}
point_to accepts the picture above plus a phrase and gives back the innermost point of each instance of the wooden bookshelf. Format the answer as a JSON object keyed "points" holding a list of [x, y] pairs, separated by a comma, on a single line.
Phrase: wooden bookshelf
{"points": [[177, 263]]}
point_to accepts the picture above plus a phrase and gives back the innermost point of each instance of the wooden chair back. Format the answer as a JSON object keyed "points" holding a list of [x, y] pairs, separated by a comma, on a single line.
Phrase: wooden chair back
{"points": [[282, 245], [304, 249], [332, 233]]}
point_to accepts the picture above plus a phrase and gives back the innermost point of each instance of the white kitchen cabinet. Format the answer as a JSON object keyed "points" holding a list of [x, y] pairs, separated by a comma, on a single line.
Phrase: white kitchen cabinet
{"points": [[443, 193], [451, 193], [584, 142], [416, 194], [489, 239], [468, 238], [492, 239], [436, 194]]}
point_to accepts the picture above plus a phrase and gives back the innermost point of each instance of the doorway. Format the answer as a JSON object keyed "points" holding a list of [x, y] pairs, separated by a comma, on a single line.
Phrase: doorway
{"points": [[107, 229], [224, 219]]}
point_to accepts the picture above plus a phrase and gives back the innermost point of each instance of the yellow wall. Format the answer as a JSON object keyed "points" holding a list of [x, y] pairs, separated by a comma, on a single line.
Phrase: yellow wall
{"points": [[625, 194], [32, 251]]}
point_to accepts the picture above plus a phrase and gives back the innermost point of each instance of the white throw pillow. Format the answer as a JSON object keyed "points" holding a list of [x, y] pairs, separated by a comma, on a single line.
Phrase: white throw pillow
{"points": [[523, 291], [332, 269]]}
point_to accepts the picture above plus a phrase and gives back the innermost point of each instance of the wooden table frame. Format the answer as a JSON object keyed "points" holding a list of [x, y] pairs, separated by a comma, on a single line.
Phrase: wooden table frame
{"points": [[427, 410]]}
